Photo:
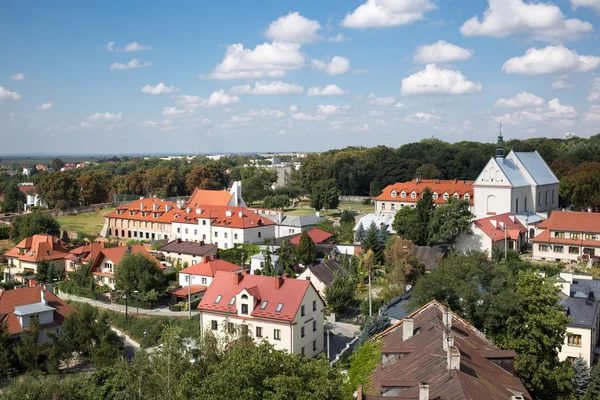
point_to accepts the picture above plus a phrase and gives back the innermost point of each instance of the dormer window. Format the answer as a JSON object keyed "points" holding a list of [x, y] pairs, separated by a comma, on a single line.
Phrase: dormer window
{"points": [[264, 305], [446, 196], [413, 195], [218, 299], [435, 196], [245, 309], [244, 296], [467, 197], [394, 194], [456, 196], [403, 194], [31, 254], [131, 213], [155, 215], [279, 307]]}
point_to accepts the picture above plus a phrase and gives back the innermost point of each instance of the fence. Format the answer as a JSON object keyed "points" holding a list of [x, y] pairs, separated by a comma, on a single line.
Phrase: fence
{"points": [[354, 199]]}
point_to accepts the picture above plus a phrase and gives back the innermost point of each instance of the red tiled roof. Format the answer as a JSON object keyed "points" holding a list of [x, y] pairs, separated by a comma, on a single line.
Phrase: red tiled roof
{"points": [[88, 251], [572, 221], [39, 247], [9, 299], [150, 206], [226, 216], [546, 237], [493, 226], [317, 236], [290, 294], [209, 198], [183, 291], [27, 188], [115, 254], [210, 268], [438, 186]]}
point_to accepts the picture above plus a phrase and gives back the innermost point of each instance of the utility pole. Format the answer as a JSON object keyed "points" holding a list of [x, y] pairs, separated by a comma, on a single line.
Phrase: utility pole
{"points": [[370, 302], [190, 294], [505, 246], [328, 356]]}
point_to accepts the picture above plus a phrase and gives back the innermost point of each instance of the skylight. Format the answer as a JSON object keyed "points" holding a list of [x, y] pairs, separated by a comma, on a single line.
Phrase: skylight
{"points": [[218, 299], [232, 301], [279, 307], [264, 305]]}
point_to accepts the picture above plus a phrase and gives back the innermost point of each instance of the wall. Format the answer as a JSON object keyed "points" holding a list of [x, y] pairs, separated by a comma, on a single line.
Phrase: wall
{"points": [[502, 202], [196, 279], [584, 351], [307, 322], [478, 241]]}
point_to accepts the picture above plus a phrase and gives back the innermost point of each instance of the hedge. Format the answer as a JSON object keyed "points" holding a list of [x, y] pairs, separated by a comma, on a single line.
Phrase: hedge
{"points": [[5, 232]]}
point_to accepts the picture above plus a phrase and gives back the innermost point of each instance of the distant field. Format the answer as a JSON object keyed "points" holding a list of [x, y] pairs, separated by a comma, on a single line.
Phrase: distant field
{"points": [[305, 209], [89, 223]]}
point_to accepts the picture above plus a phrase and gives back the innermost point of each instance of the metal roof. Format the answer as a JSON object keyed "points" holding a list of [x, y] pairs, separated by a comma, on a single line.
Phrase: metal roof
{"points": [[35, 308], [512, 172], [378, 219], [301, 221], [537, 168]]}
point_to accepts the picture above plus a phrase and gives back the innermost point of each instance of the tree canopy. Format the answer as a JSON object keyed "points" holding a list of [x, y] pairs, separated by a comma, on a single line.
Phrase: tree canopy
{"points": [[33, 224]]}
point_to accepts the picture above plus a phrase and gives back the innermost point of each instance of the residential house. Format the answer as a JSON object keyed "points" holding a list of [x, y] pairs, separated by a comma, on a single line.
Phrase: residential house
{"points": [[23, 259], [429, 256], [317, 235], [41, 167], [18, 306], [322, 275], [580, 297], [86, 253], [288, 313], [184, 252], [231, 198], [108, 259], [380, 220], [32, 197], [407, 194], [568, 236], [26, 171], [204, 272], [435, 354], [257, 263], [521, 182], [505, 230]]}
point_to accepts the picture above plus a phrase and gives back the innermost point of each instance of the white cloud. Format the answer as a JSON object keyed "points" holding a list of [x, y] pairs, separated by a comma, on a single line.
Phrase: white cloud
{"points": [[380, 101], [382, 13], [161, 88], [338, 38], [266, 60], [306, 117], [541, 21], [363, 127], [328, 109], [105, 117], [399, 105], [550, 60], [553, 111], [270, 88], [560, 84], [174, 112], [133, 64], [595, 4], [18, 77], [337, 66], [252, 115], [135, 46], [110, 46], [293, 108], [217, 98], [434, 80], [594, 114], [374, 113], [521, 100], [44, 107], [422, 117], [86, 125], [270, 113], [149, 124], [329, 90], [441, 52], [7, 94], [557, 110], [595, 93], [294, 28]]}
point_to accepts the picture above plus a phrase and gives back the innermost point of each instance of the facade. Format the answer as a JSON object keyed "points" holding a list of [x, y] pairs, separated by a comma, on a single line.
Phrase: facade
{"points": [[289, 225], [85, 253], [187, 252], [288, 313], [257, 263], [17, 306], [521, 182], [204, 272], [505, 230], [406, 194], [579, 297], [107, 261], [24, 258], [32, 197], [435, 354], [568, 236], [322, 275]]}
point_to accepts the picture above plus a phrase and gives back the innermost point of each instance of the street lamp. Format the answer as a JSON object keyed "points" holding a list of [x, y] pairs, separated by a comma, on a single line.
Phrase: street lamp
{"points": [[54, 284], [137, 309]]}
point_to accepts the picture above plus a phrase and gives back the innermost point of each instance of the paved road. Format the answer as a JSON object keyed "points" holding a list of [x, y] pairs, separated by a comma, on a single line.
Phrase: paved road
{"points": [[341, 334], [129, 345], [161, 311]]}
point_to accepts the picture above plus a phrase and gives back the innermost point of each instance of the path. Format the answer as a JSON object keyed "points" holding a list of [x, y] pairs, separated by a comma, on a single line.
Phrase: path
{"points": [[129, 345], [161, 311]]}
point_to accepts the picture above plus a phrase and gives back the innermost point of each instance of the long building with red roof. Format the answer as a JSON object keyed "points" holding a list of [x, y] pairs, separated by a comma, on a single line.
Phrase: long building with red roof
{"points": [[288, 313]]}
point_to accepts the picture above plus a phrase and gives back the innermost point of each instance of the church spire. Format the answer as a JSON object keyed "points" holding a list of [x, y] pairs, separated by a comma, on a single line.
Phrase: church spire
{"points": [[500, 146]]}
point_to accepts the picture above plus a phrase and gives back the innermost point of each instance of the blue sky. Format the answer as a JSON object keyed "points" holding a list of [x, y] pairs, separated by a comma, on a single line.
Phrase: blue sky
{"points": [[129, 77]]}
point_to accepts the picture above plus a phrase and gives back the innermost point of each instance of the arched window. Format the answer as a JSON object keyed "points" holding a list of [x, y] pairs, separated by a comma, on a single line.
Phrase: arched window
{"points": [[413, 195], [498, 176], [244, 296], [446, 196], [531, 233], [434, 196], [491, 204], [456, 196], [486, 175], [122, 232], [467, 197], [492, 173], [394, 194], [517, 206], [403, 194]]}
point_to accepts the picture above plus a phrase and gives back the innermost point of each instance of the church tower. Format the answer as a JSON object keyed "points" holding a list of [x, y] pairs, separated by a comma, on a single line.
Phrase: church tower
{"points": [[500, 146]]}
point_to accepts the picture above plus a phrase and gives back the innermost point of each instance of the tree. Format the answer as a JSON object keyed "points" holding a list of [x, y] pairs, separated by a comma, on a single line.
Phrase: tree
{"points": [[581, 377], [57, 164], [28, 350], [46, 271], [95, 187], [449, 221], [306, 251], [406, 224], [341, 294], [360, 233], [362, 364], [59, 190], [6, 352], [257, 182], [594, 384], [325, 195], [34, 224], [267, 268], [210, 176], [278, 202], [160, 181], [581, 186], [14, 198], [373, 241], [374, 325], [287, 255], [428, 171], [383, 235], [425, 209]]}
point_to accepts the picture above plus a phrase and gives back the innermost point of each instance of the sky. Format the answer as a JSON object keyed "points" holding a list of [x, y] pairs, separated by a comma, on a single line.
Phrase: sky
{"points": [[187, 77]]}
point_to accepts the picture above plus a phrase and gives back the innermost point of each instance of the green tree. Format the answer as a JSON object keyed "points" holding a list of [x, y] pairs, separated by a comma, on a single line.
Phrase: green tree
{"points": [[449, 221], [428, 171], [374, 325], [373, 241], [268, 268], [341, 294], [581, 376], [210, 176], [160, 181], [287, 255], [95, 187], [325, 194], [581, 186], [28, 351], [60, 190], [257, 182], [57, 164], [362, 364], [594, 385], [406, 223], [360, 233], [6, 352], [46, 271], [306, 251], [277, 202], [34, 224], [14, 198]]}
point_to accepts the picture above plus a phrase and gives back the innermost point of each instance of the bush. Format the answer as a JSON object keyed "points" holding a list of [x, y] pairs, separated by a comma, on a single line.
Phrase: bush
{"points": [[177, 307], [71, 287], [5, 232], [194, 304]]}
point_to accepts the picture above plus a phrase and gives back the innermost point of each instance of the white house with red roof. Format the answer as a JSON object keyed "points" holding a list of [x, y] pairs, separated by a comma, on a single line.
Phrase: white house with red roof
{"points": [[108, 259], [504, 229], [287, 313], [204, 272], [25, 256], [87, 252], [232, 198]]}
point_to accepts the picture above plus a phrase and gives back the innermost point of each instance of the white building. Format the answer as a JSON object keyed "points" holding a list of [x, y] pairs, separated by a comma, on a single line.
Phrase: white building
{"points": [[204, 272], [286, 312], [257, 263], [323, 274], [505, 230], [189, 253], [32, 197], [108, 259]]}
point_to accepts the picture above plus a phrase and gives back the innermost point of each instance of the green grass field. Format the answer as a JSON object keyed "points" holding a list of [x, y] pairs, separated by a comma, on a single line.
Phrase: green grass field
{"points": [[88, 223], [305, 209]]}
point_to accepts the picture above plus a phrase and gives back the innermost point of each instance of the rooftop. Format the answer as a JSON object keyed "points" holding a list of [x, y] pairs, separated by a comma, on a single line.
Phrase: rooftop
{"points": [[209, 197], [325, 271], [394, 191], [496, 225], [210, 268], [190, 248], [226, 216], [573, 221], [34, 308], [317, 236], [39, 247]]}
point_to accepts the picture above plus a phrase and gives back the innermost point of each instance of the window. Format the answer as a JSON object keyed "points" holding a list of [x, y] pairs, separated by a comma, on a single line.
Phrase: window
{"points": [[259, 234], [218, 299], [302, 333], [225, 235], [203, 237], [214, 325], [382, 206], [573, 250], [543, 247], [245, 309], [244, 296], [264, 305], [279, 306], [575, 235], [403, 194], [559, 234], [258, 331], [203, 222], [195, 232], [225, 245], [178, 230], [394, 194], [216, 234], [232, 301], [456, 196], [245, 330], [393, 207], [574, 340], [314, 345], [559, 249], [302, 351], [590, 236], [314, 326], [276, 334], [446, 196], [204, 281], [467, 197], [302, 313], [435, 196], [413, 195], [235, 236], [314, 305], [186, 231], [230, 327]]}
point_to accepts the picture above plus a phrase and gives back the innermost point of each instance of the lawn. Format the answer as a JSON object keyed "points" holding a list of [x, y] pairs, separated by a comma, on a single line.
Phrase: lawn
{"points": [[305, 209], [88, 223]]}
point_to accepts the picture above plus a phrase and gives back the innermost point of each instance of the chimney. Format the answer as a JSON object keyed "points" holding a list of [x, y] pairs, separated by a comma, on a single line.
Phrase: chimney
{"points": [[358, 395], [423, 391], [279, 217], [453, 359], [238, 276], [408, 327], [43, 297], [278, 281], [447, 319], [229, 213]]}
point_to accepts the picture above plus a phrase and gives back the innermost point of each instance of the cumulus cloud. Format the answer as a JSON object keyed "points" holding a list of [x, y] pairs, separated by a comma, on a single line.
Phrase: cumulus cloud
{"points": [[540, 21], [306, 117], [135, 46], [44, 107], [293, 108], [101, 118], [380, 101], [594, 4], [383, 13], [594, 114], [560, 84], [424, 118], [174, 112], [434, 80], [217, 98], [552, 111], [252, 115], [294, 28], [133, 64], [110, 46], [6, 94], [268, 88], [399, 105], [266, 60], [161, 88], [337, 66], [550, 60], [18, 77], [521, 100], [595, 93], [328, 109], [329, 90], [441, 52]]}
